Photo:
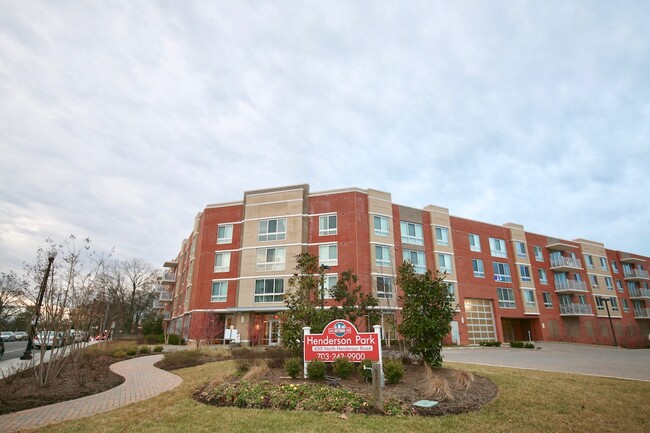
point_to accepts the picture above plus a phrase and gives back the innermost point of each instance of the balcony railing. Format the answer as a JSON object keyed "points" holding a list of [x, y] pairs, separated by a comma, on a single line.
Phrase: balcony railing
{"points": [[565, 263], [158, 304], [166, 296], [640, 293], [642, 313], [570, 286], [168, 278], [636, 274], [575, 310]]}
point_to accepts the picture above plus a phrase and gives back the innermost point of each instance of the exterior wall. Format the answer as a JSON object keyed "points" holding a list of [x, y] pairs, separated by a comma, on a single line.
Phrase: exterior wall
{"points": [[569, 309]]}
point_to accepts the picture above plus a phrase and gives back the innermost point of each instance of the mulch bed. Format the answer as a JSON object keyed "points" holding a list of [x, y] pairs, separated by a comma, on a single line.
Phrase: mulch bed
{"points": [[20, 392]]}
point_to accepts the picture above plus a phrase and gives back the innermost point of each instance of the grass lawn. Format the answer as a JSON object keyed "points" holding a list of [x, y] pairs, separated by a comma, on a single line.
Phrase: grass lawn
{"points": [[528, 401]]}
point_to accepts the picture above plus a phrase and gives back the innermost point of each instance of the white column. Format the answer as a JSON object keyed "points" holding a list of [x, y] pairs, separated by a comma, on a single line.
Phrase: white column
{"points": [[305, 331]]}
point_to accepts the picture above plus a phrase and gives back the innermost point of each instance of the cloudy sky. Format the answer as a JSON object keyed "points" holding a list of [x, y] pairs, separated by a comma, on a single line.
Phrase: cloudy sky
{"points": [[121, 120]]}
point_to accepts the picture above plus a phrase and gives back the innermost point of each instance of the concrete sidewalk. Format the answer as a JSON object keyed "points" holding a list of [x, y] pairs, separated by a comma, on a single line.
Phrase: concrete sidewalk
{"points": [[143, 381], [633, 364]]}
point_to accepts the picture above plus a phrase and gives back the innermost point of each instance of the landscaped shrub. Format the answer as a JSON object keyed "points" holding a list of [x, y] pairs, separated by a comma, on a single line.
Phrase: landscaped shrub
{"points": [[181, 359], [175, 339], [490, 343], [144, 350], [517, 344], [256, 372], [437, 387], [463, 379], [316, 370], [293, 366], [529, 346], [343, 367], [243, 365], [276, 356], [393, 370], [365, 368], [154, 338], [131, 351], [119, 354], [158, 349]]}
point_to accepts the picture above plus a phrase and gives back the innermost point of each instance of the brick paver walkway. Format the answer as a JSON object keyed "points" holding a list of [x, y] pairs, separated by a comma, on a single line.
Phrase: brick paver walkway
{"points": [[143, 381]]}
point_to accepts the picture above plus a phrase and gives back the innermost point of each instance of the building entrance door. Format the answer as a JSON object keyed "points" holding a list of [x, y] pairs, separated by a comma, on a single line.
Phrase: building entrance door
{"points": [[274, 332]]}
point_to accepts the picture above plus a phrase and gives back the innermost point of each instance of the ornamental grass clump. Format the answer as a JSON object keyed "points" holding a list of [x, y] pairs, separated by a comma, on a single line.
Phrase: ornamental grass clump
{"points": [[463, 379], [437, 387]]}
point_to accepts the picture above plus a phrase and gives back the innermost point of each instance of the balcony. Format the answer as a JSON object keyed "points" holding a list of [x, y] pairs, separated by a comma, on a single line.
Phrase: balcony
{"points": [[575, 310], [642, 313], [636, 274], [565, 264], [166, 315], [158, 304], [166, 296], [639, 293], [168, 278], [570, 286]]}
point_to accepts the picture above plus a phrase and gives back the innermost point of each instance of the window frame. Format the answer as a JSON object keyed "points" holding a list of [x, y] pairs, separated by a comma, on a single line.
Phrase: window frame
{"points": [[380, 231], [502, 277], [448, 262], [275, 264], [222, 267], [540, 272], [548, 300], [538, 257], [383, 251], [383, 294], [277, 235], [520, 249], [478, 268], [329, 261], [419, 268], [476, 241], [324, 225], [273, 294], [228, 233], [506, 303], [524, 271], [442, 236], [495, 248], [220, 297], [529, 298], [417, 238]]}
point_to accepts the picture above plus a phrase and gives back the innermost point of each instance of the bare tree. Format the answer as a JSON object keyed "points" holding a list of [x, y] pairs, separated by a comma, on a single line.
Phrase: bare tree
{"points": [[11, 291], [141, 277]]}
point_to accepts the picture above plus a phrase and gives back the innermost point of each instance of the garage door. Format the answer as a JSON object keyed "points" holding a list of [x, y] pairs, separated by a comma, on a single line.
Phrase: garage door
{"points": [[480, 320]]}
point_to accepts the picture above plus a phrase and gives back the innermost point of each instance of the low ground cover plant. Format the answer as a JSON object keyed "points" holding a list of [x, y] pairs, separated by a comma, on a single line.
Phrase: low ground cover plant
{"points": [[490, 343]]}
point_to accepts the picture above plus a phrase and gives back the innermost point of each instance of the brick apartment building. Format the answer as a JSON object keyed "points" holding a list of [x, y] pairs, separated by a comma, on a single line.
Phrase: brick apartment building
{"points": [[508, 284]]}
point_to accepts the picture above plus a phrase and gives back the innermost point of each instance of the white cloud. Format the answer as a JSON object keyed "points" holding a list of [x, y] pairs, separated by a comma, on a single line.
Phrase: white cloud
{"points": [[121, 120]]}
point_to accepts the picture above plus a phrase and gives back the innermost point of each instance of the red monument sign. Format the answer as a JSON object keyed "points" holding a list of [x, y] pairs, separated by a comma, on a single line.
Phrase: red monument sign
{"points": [[341, 339]]}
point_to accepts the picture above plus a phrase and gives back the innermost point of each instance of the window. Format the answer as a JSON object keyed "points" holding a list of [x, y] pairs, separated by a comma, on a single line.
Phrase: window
{"points": [[269, 290], [506, 298], [475, 243], [382, 255], [219, 291], [548, 301], [529, 297], [614, 303], [381, 225], [412, 233], [451, 288], [272, 230], [442, 236], [590, 261], [502, 272], [221, 262], [327, 225], [385, 287], [329, 284], [270, 259], [444, 263], [603, 263], [479, 271], [539, 255], [521, 249], [542, 276], [582, 299], [524, 270], [599, 303], [498, 247], [224, 233], [626, 307], [619, 286], [593, 279], [608, 283], [614, 267], [328, 255], [417, 259]]}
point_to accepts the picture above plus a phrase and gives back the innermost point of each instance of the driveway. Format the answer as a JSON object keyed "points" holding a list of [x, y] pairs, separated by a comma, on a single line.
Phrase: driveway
{"points": [[560, 357]]}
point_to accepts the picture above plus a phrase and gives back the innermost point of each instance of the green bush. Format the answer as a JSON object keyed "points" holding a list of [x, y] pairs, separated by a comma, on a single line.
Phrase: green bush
{"points": [[154, 338], [517, 344], [158, 349], [119, 354], [293, 366], [529, 346], [343, 367], [393, 370], [181, 359], [490, 343], [144, 349], [366, 373], [131, 351], [316, 370], [176, 339]]}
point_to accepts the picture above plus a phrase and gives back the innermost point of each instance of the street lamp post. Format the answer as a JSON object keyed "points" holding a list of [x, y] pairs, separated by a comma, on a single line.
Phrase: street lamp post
{"points": [[323, 268], [39, 303], [606, 301]]}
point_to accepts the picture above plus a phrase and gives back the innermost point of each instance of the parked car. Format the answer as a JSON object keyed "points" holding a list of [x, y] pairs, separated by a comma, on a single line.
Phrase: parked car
{"points": [[49, 339], [2, 348], [21, 335], [7, 336]]}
